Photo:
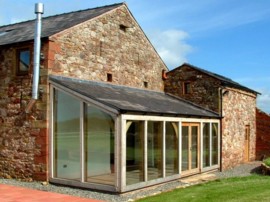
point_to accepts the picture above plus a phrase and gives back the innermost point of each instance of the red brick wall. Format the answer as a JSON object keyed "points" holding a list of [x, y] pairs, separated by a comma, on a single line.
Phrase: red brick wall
{"points": [[263, 134]]}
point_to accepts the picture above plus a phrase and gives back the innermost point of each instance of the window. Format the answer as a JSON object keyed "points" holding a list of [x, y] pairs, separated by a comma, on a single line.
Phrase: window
{"points": [[135, 152], [210, 144], [123, 28], [109, 77], [145, 83], [23, 61], [186, 88], [94, 141]]}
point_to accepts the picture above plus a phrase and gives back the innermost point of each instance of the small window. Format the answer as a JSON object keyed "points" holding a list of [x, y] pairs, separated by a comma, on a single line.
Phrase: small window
{"points": [[145, 83], [23, 61], [186, 88], [123, 28], [100, 48], [109, 77]]}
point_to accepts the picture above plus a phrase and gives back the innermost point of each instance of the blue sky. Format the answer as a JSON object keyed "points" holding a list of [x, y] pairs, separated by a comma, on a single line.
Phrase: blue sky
{"points": [[228, 37]]}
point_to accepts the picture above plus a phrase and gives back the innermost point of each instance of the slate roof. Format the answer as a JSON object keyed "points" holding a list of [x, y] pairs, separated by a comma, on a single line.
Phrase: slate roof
{"points": [[224, 80], [127, 99], [24, 31]]}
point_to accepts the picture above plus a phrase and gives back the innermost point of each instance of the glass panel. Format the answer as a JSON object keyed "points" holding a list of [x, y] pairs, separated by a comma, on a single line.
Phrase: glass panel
{"points": [[194, 147], [154, 144], [171, 148], [24, 60], [214, 143], [185, 148], [206, 144], [135, 152], [99, 146], [66, 136]]}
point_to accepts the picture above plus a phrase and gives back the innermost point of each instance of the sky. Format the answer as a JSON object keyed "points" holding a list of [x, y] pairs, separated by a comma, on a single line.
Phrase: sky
{"points": [[228, 37]]}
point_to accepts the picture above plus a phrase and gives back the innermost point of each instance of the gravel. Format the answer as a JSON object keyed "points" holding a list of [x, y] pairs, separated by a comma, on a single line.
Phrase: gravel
{"points": [[242, 170]]}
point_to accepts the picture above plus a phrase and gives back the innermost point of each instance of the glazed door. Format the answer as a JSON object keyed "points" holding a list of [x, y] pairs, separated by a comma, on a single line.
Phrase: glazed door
{"points": [[190, 148]]}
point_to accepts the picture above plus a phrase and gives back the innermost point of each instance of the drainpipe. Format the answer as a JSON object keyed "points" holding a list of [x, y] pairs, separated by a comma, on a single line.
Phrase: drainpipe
{"points": [[39, 10], [221, 115]]}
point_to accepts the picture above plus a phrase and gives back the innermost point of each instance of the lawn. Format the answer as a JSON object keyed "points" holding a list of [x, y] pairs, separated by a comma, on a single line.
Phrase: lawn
{"points": [[251, 188]]}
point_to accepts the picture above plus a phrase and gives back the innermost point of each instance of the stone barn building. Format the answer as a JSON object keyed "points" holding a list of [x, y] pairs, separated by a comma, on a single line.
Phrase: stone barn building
{"points": [[102, 119], [236, 104]]}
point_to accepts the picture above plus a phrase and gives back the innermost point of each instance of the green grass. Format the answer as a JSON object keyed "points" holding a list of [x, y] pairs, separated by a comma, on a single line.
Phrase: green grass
{"points": [[267, 161], [240, 189]]}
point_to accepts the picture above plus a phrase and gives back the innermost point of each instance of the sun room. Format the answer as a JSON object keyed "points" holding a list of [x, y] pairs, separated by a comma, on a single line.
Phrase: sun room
{"points": [[117, 139]]}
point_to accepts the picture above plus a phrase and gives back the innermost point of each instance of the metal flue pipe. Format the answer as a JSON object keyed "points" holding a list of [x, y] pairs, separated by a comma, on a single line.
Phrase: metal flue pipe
{"points": [[39, 10]]}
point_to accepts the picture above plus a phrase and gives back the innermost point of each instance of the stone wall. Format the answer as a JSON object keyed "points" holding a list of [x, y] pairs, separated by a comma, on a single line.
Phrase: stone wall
{"points": [[238, 112], [263, 134], [90, 50], [100, 46], [23, 137], [204, 89]]}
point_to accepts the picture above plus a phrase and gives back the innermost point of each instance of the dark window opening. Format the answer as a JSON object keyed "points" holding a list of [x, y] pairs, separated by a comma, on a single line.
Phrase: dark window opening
{"points": [[137, 58], [145, 83], [109, 77], [186, 88], [23, 61], [123, 28], [100, 48]]}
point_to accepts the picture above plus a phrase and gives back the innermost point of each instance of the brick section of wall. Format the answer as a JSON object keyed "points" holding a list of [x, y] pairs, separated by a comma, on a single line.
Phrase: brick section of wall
{"points": [[23, 137], [238, 112], [97, 47], [204, 89], [263, 135]]}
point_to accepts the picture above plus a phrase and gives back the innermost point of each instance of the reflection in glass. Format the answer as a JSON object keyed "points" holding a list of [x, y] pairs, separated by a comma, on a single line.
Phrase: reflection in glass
{"points": [[24, 60], [99, 146], [171, 148], [185, 148], [194, 147], [154, 144], [66, 136], [214, 143], [134, 152], [206, 144]]}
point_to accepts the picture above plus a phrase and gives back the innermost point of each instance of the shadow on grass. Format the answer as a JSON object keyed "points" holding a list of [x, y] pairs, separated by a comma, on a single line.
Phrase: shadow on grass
{"points": [[257, 170]]}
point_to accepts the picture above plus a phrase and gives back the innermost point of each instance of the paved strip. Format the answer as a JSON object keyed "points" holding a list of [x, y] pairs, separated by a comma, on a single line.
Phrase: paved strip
{"points": [[19, 194]]}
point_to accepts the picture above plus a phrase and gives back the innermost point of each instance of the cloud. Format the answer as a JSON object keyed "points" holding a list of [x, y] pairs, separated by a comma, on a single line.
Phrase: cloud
{"points": [[171, 46]]}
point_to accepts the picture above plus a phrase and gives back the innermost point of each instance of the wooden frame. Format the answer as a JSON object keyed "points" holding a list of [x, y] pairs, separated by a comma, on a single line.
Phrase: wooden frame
{"points": [[247, 143], [120, 146], [184, 88], [191, 170], [82, 182], [181, 122]]}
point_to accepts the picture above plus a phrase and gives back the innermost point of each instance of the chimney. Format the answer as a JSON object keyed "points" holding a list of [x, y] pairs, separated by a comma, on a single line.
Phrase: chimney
{"points": [[39, 9]]}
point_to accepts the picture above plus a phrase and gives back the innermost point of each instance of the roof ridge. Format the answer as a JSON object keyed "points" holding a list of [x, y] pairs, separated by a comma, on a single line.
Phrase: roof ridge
{"points": [[224, 80], [101, 83], [56, 15]]}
